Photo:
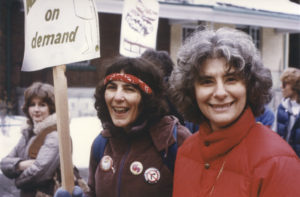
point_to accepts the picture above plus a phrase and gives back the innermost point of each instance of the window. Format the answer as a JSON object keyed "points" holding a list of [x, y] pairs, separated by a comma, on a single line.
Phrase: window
{"points": [[188, 29], [254, 32], [82, 63]]}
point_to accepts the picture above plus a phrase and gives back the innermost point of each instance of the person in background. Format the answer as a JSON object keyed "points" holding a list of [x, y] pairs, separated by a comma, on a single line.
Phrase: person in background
{"points": [[163, 61], [139, 134], [221, 84], [33, 161], [287, 123], [267, 117]]}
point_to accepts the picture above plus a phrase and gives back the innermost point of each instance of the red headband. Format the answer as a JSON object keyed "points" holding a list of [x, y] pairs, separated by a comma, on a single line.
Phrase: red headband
{"points": [[128, 78]]}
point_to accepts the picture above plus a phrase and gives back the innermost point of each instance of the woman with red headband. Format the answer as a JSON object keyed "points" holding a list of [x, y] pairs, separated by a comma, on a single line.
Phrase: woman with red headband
{"points": [[140, 139]]}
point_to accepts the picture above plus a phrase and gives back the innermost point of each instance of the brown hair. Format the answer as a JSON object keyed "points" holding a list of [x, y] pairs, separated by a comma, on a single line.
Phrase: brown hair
{"points": [[153, 106], [292, 76]]}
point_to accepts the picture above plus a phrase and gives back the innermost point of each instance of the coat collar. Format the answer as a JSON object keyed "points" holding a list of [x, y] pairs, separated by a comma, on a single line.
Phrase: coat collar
{"points": [[221, 141], [291, 106], [49, 121], [161, 132]]}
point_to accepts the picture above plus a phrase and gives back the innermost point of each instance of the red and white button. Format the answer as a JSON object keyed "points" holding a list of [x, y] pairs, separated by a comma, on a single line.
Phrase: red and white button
{"points": [[106, 163], [136, 168], [152, 175]]}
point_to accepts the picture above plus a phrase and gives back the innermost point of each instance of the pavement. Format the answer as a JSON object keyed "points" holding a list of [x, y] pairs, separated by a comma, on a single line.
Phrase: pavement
{"points": [[8, 188]]}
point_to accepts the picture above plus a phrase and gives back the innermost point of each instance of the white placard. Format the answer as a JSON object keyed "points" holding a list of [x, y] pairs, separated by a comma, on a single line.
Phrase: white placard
{"points": [[139, 26], [59, 32]]}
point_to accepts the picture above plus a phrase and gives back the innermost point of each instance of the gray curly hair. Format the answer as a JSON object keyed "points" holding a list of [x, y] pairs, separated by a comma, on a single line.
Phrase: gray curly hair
{"points": [[239, 52]]}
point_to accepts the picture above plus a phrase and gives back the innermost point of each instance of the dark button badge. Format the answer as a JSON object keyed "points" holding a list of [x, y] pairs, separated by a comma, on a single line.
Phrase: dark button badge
{"points": [[206, 165]]}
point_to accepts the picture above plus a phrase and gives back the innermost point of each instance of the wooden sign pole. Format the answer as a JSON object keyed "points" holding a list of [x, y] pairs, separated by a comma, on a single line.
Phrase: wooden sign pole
{"points": [[62, 112]]}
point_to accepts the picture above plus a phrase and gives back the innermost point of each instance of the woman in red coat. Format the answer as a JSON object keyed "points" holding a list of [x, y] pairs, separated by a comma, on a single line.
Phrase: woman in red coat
{"points": [[220, 83]]}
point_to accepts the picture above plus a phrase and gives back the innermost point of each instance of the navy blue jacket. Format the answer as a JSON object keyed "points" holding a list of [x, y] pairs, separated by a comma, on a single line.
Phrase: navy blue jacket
{"points": [[283, 119]]}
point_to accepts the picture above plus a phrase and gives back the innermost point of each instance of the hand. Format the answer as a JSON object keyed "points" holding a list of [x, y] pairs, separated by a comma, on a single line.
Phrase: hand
{"points": [[25, 164], [77, 192]]}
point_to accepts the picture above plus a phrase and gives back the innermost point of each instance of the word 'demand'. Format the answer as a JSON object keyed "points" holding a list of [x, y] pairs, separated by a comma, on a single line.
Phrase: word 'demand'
{"points": [[53, 38]]}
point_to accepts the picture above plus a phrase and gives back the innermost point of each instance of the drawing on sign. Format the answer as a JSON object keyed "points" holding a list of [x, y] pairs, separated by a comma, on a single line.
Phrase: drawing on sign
{"points": [[141, 20], [29, 4], [139, 26], [86, 12]]}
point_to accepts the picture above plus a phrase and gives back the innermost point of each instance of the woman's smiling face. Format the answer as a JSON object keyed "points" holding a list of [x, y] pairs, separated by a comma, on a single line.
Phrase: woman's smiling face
{"points": [[220, 94], [38, 110], [123, 101]]}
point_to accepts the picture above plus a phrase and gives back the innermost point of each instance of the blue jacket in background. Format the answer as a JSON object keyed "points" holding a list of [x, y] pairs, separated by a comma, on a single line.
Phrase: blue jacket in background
{"points": [[283, 119], [267, 118]]}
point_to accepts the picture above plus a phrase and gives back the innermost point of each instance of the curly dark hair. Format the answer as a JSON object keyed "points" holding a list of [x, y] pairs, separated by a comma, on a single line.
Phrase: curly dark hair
{"points": [[239, 51], [41, 90], [153, 106]]}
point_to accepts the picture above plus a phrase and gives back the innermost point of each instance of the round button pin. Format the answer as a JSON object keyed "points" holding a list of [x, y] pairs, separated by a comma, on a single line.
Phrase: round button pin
{"points": [[152, 175], [106, 163], [136, 167]]}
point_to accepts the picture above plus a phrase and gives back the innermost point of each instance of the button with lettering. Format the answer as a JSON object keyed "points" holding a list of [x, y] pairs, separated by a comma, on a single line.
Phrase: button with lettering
{"points": [[152, 175], [106, 163], [136, 168]]}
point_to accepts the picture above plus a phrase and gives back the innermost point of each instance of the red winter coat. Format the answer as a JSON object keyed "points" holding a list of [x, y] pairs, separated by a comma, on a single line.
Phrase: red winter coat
{"points": [[245, 159]]}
